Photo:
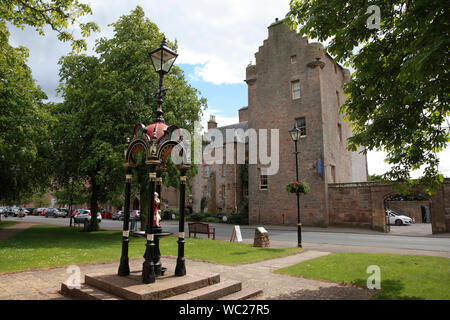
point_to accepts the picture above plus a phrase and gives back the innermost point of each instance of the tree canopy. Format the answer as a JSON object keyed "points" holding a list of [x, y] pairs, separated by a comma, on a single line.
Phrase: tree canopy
{"points": [[106, 95], [398, 99], [24, 124], [59, 15], [25, 119]]}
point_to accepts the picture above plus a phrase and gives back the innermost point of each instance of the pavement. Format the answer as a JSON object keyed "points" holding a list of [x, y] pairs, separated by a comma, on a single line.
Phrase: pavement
{"points": [[44, 284]]}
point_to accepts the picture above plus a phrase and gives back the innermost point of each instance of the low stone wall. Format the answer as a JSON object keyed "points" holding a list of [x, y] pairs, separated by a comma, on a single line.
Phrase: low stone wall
{"points": [[350, 206], [362, 205]]}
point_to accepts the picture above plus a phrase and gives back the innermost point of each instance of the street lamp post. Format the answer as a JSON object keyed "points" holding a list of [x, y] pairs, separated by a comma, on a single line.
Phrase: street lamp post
{"points": [[163, 59], [295, 134]]}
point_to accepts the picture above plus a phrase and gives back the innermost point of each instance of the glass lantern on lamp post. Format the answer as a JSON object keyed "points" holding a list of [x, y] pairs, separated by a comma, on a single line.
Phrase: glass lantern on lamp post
{"points": [[163, 59]]}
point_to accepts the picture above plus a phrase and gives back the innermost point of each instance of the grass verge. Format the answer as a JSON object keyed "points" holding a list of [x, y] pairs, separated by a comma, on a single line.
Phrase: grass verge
{"points": [[5, 224], [402, 276], [47, 246]]}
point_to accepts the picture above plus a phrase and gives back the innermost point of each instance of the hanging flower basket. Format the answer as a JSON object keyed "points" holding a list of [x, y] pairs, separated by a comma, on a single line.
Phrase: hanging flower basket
{"points": [[297, 187]]}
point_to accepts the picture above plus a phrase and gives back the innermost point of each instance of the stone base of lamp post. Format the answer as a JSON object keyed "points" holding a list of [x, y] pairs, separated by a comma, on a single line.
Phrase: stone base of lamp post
{"points": [[180, 269]]}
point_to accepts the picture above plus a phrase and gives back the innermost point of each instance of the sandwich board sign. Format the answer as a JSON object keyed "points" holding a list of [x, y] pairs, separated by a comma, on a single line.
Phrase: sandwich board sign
{"points": [[236, 234]]}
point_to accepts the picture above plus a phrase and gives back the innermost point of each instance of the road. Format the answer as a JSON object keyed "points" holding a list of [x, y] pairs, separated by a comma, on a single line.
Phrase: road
{"points": [[289, 235]]}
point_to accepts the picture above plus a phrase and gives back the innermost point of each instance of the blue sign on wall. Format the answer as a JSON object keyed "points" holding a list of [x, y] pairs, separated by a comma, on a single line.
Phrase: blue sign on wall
{"points": [[319, 166]]}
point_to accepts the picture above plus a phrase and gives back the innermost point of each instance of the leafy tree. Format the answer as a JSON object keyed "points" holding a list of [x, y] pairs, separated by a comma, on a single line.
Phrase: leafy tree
{"points": [[57, 14], [107, 95], [398, 99], [25, 120], [24, 124]]}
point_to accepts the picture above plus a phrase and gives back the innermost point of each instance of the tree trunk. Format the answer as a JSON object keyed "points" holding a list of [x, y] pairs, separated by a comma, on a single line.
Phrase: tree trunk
{"points": [[93, 225]]}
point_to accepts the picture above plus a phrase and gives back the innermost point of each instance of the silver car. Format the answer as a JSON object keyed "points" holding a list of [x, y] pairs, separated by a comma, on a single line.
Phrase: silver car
{"points": [[85, 214]]}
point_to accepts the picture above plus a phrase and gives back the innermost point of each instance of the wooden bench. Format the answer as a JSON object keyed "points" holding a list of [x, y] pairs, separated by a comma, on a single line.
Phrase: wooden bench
{"points": [[202, 228]]}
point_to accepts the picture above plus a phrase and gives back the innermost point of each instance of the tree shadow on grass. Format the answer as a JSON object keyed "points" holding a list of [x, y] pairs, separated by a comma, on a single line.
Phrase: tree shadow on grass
{"points": [[390, 290], [328, 293], [45, 237]]}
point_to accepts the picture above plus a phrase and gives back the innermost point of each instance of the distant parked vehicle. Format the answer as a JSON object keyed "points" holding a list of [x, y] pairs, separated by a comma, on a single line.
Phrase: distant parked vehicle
{"points": [[55, 213], [65, 211], [116, 215], [398, 219], [37, 211], [86, 215]]}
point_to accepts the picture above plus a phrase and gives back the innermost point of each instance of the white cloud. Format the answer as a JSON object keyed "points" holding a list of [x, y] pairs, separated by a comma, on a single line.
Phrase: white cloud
{"points": [[376, 164]]}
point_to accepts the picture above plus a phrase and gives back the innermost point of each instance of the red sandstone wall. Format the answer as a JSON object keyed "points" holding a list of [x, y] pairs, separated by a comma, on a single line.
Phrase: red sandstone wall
{"points": [[350, 206]]}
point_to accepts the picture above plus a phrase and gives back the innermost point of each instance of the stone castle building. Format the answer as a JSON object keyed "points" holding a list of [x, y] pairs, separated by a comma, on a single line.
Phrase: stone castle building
{"points": [[292, 82]]}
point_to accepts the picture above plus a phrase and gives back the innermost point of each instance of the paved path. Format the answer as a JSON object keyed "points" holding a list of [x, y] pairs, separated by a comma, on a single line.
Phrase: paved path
{"points": [[45, 284]]}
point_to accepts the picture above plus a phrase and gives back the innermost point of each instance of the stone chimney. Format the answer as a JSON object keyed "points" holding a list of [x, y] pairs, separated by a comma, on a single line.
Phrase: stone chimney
{"points": [[212, 124]]}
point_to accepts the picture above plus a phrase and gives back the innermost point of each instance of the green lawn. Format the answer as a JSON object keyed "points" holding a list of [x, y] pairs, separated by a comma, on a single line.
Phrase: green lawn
{"points": [[4, 224], [50, 246], [402, 276]]}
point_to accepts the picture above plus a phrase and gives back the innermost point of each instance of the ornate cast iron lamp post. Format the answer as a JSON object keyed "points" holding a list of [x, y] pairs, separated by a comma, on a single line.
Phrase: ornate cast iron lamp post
{"points": [[295, 134], [157, 141]]}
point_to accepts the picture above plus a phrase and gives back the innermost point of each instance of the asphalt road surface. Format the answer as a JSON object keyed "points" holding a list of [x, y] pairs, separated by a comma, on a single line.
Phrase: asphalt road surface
{"points": [[224, 231]]}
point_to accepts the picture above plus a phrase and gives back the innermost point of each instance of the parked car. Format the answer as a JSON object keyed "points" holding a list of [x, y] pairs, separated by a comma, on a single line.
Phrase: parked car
{"points": [[55, 213], [116, 215], [65, 211], [398, 219], [86, 215], [37, 211]]}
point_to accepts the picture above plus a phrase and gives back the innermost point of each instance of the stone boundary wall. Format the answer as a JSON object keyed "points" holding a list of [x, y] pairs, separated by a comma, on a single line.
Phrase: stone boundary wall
{"points": [[362, 205]]}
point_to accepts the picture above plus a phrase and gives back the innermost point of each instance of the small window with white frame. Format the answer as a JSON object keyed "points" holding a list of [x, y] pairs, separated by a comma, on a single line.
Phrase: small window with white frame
{"points": [[263, 181], [295, 88], [301, 125]]}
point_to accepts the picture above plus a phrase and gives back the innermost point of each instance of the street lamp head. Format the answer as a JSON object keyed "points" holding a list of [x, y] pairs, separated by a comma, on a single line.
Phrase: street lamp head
{"points": [[163, 58], [295, 133]]}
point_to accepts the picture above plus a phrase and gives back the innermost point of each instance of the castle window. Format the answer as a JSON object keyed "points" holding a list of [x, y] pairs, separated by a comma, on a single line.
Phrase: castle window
{"points": [[301, 125], [340, 132], [293, 59], [223, 191], [206, 171], [338, 99], [333, 173], [263, 182], [224, 170], [295, 86]]}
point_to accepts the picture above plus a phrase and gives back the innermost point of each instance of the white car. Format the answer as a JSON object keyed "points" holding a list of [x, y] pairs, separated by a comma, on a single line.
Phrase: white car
{"points": [[85, 214], [398, 219]]}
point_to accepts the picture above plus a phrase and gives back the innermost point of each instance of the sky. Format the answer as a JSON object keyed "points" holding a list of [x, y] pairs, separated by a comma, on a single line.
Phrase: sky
{"points": [[216, 41]]}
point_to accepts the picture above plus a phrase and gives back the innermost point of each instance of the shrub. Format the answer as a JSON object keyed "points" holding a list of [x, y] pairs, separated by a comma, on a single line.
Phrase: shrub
{"points": [[211, 220]]}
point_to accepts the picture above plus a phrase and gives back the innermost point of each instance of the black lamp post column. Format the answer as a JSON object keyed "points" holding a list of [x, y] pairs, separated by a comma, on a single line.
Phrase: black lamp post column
{"points": [[299, 224], [157, 230], [124, 268], [148, 268], [180, 269]]}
